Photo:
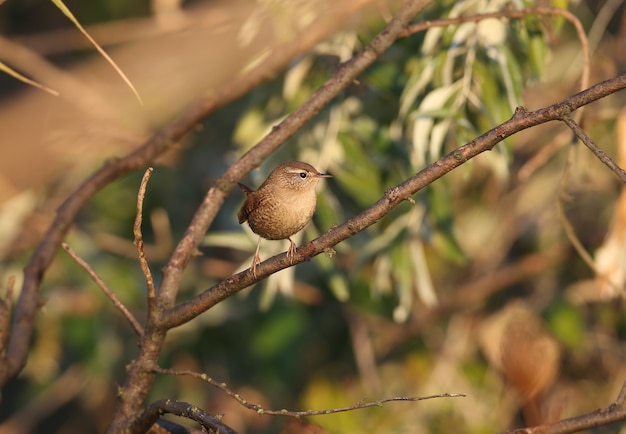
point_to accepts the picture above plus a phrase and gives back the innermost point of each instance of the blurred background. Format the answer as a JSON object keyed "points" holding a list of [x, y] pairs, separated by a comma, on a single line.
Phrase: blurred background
{"points": [[475, 288]]}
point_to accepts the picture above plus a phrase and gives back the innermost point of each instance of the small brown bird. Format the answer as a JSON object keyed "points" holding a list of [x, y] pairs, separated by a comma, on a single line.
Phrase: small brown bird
{"points": [[282, 205]]}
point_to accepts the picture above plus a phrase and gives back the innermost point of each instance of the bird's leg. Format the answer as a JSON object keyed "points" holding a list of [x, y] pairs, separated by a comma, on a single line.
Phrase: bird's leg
{"points": [[257, 259], [291, 251]]}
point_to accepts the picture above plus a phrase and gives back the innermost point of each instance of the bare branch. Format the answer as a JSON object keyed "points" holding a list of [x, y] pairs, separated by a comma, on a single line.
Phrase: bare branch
{"points": [[602, 156], [260, 410], [116, 301], [183, 409], [393, 197], [145, 268], [616, 412], [362, 405]]}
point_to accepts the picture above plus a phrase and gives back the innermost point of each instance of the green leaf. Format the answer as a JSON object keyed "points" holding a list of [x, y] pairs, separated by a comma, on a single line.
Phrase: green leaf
{"points": [[275, 335], [567, 324], [537, 47]]}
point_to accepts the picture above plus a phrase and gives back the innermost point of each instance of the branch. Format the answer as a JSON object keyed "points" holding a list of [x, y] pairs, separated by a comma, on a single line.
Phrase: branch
{"points": [[260, 410], [116, 301], [393, 197], [145, 268], [602, 156], [613, 413], [179, 408]]}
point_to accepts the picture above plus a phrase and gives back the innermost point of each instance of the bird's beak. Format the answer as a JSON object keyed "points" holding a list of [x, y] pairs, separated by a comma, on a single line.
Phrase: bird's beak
{"points": [[324, 175]]}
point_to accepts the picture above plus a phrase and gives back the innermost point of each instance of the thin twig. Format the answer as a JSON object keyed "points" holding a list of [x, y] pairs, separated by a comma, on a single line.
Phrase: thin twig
{"points": [[116, 301], [145, 268], [602, 156], [260, 410]]}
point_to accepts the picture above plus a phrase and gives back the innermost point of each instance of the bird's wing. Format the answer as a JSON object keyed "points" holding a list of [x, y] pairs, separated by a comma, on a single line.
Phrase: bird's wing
{"points": [[248, 205]]}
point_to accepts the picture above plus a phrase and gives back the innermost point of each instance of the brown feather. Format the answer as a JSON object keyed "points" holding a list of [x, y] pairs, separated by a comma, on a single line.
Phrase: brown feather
{"points": [[247, 206]]}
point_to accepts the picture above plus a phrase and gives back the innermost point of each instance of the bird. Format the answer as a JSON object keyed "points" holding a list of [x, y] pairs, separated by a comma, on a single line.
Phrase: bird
{"points": [[282, 205]]}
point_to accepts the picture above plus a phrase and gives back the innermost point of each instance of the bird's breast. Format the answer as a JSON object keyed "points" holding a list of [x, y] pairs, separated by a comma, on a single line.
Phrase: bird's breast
{"points": [[278, 216]]}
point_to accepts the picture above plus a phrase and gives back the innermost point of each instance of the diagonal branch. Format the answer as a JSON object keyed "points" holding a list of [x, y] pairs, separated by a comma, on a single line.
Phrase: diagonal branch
{"points": [[393, 197], [107, 291], [602, 156]]}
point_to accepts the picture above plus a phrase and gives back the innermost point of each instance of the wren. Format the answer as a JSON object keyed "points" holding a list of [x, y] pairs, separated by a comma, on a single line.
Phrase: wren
{"points": [[282, 206]]}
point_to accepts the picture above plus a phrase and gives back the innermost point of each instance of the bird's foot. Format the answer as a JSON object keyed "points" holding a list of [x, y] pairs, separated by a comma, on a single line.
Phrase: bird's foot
{"points": [[255, 261], [291, 251]]}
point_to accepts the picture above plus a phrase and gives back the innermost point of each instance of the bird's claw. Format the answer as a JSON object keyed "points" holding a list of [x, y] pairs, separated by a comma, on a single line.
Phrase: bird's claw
{"points": [[291, 251], [255, 261]]}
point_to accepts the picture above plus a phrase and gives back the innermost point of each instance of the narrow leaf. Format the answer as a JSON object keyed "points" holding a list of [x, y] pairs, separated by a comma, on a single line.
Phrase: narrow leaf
{"points": [[59, 4], [17, 75]]}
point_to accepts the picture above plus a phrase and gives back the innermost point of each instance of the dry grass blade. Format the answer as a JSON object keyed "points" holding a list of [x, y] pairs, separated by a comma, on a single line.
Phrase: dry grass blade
{"points": [[59, 4], [13, 73]]}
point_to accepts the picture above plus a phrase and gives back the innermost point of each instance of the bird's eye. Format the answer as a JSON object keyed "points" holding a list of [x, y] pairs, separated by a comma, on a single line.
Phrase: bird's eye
{"points": [[302, 175]]}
